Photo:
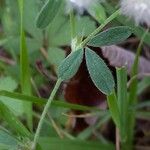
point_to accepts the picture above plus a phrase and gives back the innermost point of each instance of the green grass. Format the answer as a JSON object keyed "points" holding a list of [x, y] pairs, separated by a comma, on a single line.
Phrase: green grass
{"points": [[24, 67]]}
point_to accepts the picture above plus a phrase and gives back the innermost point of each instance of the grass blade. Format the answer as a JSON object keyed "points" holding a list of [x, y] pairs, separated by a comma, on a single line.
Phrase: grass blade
{"points": [[42, 101], [12, 121], [24, 67], [65, 144], [132, 99], [122, 99], [114, 109]]}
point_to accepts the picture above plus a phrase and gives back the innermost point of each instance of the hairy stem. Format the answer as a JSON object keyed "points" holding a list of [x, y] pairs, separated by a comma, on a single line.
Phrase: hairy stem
{"points": [[37, 134], [109, 19]]}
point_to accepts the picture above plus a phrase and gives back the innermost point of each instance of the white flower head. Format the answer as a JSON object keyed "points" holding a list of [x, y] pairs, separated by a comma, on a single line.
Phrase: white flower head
{"points": [[139, 10], [80, 5]]}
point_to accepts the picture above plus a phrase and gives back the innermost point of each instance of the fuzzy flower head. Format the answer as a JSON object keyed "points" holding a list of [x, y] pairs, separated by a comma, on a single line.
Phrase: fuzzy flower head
{"points": [[80, 5], [139, 10]]}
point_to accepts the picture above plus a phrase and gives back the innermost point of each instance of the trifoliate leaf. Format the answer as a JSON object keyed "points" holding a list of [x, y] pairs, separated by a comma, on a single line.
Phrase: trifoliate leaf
{"points": [[111, 36], [70, 65], [99, 72]]}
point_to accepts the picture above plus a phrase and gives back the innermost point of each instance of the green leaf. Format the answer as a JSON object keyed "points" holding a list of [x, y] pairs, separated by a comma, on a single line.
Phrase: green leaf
{"points": [[47, 13], [66, 144], [3, 41], [15, 106], [59, 25], [25, 69], [122, 99], [42, 101], [55, 56], [114, 109], [70, 65], [29, 16], [24, 66], [99, 72], [9, 84], [111, 36], [13, 121], [97, 11], [138, 30], [7, 140], [133, 88]]}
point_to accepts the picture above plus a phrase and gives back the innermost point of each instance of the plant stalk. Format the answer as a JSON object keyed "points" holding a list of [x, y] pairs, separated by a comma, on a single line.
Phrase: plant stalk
{"points": [[109, 19], [39, 127]]}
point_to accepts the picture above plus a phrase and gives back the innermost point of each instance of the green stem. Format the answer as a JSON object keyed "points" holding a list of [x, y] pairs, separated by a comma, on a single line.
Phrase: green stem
{"points": [[109, 19], [38, 130]]}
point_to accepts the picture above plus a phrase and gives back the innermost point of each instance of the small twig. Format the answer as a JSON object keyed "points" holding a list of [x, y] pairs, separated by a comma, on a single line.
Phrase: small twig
{"points": [[62, 131], [44, 53], [59, 131], [35, 87], [44, 72], [68, 135], [80, 116], [100, 136], [109, 19]]}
